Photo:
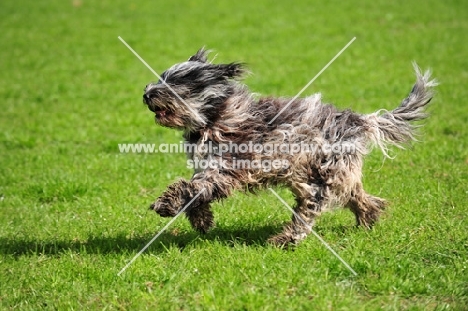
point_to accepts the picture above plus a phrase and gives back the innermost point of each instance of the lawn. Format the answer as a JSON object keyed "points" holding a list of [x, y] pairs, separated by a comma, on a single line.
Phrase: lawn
{"points": [[73, 209]]}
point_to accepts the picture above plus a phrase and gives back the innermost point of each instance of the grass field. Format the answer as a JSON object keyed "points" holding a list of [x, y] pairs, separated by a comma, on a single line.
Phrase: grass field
{"points": [[73, 210]]}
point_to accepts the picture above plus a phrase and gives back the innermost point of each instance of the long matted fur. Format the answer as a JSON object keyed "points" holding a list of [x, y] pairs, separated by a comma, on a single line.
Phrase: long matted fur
{"points": [[212, 106]]}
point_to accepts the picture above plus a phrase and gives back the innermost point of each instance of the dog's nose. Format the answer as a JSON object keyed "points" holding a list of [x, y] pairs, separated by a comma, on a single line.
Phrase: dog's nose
{"points": [[146, 97]]}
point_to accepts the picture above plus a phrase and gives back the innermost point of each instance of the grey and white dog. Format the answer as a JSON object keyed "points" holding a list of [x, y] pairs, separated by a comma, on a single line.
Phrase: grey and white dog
{"points": [[210, 105]]}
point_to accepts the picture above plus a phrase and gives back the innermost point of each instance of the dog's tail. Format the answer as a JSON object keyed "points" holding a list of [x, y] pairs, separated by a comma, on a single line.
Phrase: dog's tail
{"points": [[395, 127]]}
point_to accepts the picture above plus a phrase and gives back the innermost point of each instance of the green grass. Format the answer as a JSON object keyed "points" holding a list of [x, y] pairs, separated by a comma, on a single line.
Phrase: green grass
{"points": [[73, 210]]}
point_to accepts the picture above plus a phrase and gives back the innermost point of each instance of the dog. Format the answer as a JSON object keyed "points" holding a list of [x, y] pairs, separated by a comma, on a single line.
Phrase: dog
{"points": [[211, 106]]}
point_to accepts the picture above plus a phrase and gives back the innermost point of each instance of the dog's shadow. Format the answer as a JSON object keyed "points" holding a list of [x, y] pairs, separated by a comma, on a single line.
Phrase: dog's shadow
{"points": [[125, 243]]}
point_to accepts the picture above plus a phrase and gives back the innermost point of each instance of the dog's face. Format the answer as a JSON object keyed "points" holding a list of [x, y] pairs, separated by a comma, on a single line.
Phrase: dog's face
{"points": [[190, 94]]}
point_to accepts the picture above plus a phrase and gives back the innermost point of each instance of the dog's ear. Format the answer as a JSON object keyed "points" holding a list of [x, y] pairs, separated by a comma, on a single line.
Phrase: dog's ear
{"points": [[201, 56], [233, 70]]}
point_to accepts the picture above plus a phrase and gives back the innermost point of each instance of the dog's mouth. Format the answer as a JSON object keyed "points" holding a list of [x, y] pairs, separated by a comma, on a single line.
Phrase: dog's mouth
{"points": [[161, 113]]}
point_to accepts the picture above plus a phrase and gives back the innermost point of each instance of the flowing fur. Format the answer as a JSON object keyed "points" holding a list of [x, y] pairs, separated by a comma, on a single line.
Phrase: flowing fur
{"points": [[211, 105]]}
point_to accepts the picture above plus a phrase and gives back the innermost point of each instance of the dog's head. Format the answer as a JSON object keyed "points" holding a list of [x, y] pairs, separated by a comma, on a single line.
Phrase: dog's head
{"points": [[189, 95]]}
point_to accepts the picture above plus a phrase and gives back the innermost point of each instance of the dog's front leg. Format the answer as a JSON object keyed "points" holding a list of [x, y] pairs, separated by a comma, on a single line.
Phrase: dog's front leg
{"points": [[172, 200], [209, 185]]}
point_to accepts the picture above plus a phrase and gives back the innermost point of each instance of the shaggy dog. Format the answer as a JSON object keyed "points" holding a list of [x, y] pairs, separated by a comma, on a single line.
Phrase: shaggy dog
{"points": [[212, 108]]}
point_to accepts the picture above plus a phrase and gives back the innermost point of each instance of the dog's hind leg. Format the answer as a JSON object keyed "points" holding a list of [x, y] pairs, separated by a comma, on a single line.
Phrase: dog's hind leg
{"points": [[365, 207], [309, 202]]}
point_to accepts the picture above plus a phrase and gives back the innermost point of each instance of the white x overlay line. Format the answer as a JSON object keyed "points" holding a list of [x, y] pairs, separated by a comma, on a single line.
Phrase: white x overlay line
{"points": [[160, 232], [313, 79], [313, 232], [194, 198], [158, 76]]}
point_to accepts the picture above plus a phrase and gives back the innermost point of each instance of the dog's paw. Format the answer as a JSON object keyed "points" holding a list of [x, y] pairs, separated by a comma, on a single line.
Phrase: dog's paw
{"points": [[201, 218], [282, 240], [164, 209]]}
